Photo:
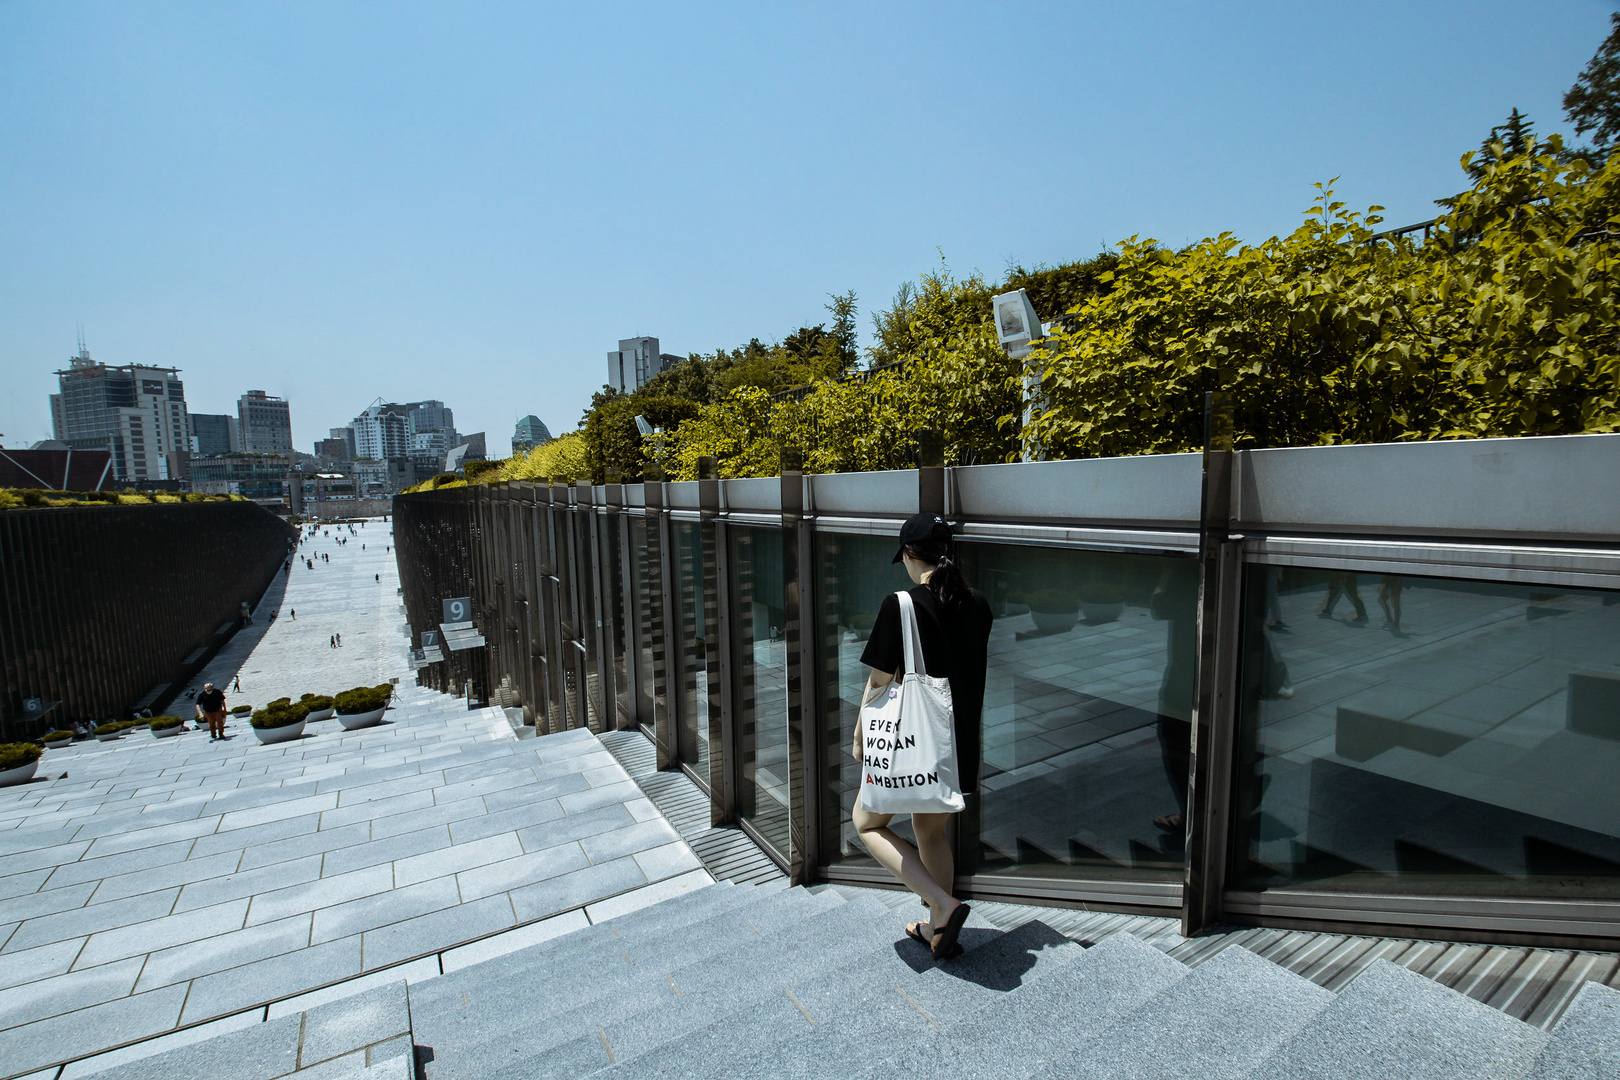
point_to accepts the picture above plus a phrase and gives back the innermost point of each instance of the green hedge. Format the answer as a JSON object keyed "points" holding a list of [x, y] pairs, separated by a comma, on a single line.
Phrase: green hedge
{"points": [[57, 736], [362, 699], [17, 754], [280, 714], [164, 723], [316, 702]]}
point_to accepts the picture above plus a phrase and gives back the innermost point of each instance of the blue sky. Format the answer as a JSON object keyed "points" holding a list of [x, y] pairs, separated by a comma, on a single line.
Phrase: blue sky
{"points": [[337, 202]]}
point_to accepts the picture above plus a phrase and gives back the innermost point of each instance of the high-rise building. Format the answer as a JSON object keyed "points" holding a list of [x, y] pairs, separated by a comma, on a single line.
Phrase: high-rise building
{"points": [[382, 432], [426, 416], [264, 422], [136, 412], [636, 361], [214, 433], [528, 434]]}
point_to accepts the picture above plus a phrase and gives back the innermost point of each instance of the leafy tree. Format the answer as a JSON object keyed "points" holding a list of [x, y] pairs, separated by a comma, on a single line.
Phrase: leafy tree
{"points": [[1593, 103]]}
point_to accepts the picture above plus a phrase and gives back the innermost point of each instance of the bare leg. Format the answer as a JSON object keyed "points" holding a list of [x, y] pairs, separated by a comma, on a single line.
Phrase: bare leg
{"points": [[900, 859], [937, 858]]}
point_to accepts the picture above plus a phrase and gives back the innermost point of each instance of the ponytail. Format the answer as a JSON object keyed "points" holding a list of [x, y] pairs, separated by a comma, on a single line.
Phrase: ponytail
{"points": [[946, 582]]}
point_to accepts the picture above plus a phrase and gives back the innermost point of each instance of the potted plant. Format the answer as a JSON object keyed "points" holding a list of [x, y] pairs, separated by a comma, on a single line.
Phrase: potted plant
{"points": [[57, 739], [18, 761], [1054, 611], [1102, 603], [279, 723], [165, 727], [109, 731], [242, 710], [362, 706], [320, 706]]}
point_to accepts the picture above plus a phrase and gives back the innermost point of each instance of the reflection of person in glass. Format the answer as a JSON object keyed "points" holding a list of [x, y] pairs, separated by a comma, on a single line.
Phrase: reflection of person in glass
{"points": [[1343, 583], [1389, 598], [1175, 600], [953, 622]]}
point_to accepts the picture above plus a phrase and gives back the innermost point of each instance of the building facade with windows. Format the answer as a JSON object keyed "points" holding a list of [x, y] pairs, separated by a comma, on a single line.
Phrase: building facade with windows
{"points": [[528, 434], [635, 361], [214, 433], [265, 423], [137, 413]]}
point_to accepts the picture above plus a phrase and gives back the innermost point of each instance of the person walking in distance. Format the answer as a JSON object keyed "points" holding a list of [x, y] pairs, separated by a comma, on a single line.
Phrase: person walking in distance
{"points": [[236, 688], [953, 625], [339, 640], [331, 641], [294, 613], [211, 707]]}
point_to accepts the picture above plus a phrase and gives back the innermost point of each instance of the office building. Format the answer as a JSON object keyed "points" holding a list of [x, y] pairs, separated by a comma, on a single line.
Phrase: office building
{"points": [[265, 423], [636, 361], [429, 416], [528, 434], [214, 433], [260, 477], [382, 432], [135, 412]]}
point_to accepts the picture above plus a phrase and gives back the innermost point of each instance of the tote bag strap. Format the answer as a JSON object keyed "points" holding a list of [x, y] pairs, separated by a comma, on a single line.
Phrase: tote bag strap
{"points": [[909, 635]]}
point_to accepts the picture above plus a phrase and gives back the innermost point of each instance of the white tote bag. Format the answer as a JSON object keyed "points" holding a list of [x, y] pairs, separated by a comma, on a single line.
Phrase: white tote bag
{"points": [[908, 737]]}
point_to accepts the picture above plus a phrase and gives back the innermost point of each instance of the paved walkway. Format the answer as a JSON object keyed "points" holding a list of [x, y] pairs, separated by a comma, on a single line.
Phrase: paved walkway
{"points": [[165, 883]]}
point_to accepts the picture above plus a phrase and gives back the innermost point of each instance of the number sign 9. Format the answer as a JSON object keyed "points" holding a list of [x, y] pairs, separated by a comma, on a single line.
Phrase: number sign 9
{"points": [[458, 609]]}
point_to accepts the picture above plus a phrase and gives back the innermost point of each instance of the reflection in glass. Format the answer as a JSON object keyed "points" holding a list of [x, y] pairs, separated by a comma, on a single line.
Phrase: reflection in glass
{"points": [[1088, 699], [691, 647], [759, 651], [613, 575], [644, 560], [1468, 746]]}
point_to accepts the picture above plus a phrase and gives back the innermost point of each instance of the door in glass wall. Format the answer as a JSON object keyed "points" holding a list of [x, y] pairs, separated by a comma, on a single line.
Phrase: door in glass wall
{"points": [[759, 651], [691, 647], [1404, 734], [1088, 699]]}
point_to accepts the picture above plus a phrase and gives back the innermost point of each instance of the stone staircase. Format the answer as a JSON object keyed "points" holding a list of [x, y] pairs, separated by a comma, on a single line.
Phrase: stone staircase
{"points": [[770, 981]]}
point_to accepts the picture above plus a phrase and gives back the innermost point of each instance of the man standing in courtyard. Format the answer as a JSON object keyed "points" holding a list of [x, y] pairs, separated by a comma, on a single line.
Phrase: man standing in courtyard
{"points": [[211, 707]]}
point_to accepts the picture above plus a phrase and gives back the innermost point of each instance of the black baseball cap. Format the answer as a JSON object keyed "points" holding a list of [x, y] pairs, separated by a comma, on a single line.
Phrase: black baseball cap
{"points": [[920, 528]]}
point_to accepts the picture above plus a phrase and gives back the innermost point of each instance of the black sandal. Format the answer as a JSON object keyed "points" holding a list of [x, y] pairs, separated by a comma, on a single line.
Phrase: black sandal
{"points": [[914, 932], [947, 947]]}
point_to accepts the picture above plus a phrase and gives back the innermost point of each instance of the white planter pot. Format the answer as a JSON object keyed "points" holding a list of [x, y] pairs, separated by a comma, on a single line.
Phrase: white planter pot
{"points": [[1102, 613], [110, 736], [20, 775], [1054, 622], [166, 733], [360, 720], [57, 744], [279, 734], [320, 714]]}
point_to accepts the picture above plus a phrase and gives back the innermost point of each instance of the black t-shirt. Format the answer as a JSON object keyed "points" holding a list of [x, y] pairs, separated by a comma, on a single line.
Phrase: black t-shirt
{"points": [[955, 646], [211, 700]]}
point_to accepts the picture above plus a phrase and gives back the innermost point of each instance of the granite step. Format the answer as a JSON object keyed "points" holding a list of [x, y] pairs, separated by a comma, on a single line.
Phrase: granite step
{"points": [[1216, 1023], [1017, 1036], [838, 1021], [459, 1014], [364, 1037], [1585, 1045], [1393, 1022], [664, 1003]]}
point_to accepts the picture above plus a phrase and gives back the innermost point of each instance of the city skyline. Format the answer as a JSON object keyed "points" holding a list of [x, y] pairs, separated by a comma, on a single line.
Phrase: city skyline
{"points": [[323, 206]]}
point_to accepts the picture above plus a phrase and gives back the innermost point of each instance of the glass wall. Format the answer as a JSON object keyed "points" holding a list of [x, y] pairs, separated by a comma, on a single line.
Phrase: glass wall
{"points": [[1427, 735], [1087, 709], [853, 575], [692, 647], [759, 662], [612, 569], [644, 564]]}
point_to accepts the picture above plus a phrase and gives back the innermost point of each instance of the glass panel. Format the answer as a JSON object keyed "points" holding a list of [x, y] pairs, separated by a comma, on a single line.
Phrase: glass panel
{"points": [[1087, 711], [613, 574], [1468, 747], [691, 648], [1088, 695], [760, 658], [585, 597], [853, 575], [644, 559]]}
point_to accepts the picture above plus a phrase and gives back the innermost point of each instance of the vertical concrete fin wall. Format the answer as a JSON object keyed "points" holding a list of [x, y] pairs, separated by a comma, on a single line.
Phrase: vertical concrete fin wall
{"points": [[100, 605]]}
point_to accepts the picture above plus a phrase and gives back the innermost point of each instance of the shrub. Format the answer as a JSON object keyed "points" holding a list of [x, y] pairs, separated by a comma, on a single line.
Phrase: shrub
{"points": [[280, 702], [17, 754], [316, 701], [362, 699], [164, 723], [385, 688], [241, 710], [109, 729], [274, 715], [57, 736]]}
